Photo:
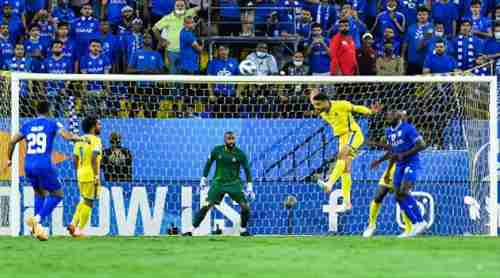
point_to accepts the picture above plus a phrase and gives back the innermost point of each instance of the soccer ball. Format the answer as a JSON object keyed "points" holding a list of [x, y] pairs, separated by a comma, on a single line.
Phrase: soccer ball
{"points": [[248, 67]]}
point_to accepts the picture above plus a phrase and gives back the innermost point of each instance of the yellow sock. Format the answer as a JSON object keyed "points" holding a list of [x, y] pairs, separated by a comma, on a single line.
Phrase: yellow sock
{"points": [[374, 209], [84, 216], [336, 173], [346, 187], [407, 222], [76, 216]]}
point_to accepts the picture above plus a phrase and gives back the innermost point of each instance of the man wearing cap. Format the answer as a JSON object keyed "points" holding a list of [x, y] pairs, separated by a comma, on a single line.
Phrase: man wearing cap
{"points": [[125, 24], [265, 62], [167, 32], [367, 56]]}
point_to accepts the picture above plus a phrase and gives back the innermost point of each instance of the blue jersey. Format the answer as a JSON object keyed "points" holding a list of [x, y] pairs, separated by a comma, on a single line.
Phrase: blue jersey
{"points": [[60, 65], [409, 9], [325, 15], [22, 65], [63, 14], [130, 42], [84, 29], [6, 52], [481, 24], [162, 7], [466, 49], [69, 49], [440, 63], [319, 58], [31, 46], [18, 7], [414, 39], [445, 13], [47, 32], [16, 29], [402, 139], [115, 11], [222, 67], [229, 9], [95, 65], [146, 60], [188, 55], [35, 5], [39, 134], [110, 47], [491, 46], [385, 21]]}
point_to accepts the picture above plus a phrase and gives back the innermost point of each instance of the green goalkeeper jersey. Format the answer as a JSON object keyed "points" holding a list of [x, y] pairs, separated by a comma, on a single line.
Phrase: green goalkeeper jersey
{"points": [[228, 165]]}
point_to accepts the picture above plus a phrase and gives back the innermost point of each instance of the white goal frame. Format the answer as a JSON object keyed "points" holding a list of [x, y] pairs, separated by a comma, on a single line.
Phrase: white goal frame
{"points": [[17, 77]]}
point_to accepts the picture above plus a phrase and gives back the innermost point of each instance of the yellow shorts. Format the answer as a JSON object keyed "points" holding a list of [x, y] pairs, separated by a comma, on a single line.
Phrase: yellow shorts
{"points": [[89, 190], [352, 138], [391, 176]]}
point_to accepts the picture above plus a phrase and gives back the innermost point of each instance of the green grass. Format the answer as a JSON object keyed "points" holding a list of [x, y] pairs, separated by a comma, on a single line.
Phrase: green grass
{"points": [[259, 257]]}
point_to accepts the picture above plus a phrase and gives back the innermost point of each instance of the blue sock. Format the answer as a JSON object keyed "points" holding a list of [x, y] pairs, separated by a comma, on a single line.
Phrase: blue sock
{"points": [[412, 204], [39, 200], [403, 204], [51, 203]]}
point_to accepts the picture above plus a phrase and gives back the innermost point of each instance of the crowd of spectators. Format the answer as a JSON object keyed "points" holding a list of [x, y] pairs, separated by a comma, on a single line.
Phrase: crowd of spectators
{"points": [[343, 37]]}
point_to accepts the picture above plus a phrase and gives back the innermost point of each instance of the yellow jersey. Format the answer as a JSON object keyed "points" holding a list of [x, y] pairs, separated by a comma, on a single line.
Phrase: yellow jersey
{"points": [[340, 116], [84, 151]]}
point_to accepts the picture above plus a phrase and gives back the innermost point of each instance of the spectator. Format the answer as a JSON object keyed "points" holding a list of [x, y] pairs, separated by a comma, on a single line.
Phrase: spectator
{"points": [[416, 41], [389, 63], [34, 42], [125, 25], [466, 47], [288, 16], [446, 12], [6, 49], [63, 13], [230, 18], [130, 42], [37, 61], [69, 51], [117, 160], [439, 35], [492, 46], [47, 30], [296, 67], [343, 52], [159, 9], [390, 18], [388, 37], [324, 14], [146, 61], [95, 62], [167, 32], [481, 25], [15, 24], [84, 30], [21, 63], [18, 9], [356, 26], [56, 63], [304, 24], [113, 11], [367, 56], [440, 62], [190, 48], [266, 63], [410, 9], [110, 45], [223, 65], [318, 52], [33, 6]]}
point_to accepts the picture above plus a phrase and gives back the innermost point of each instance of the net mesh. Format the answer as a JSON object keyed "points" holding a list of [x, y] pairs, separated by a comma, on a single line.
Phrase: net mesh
{"points": [[166, 130]]}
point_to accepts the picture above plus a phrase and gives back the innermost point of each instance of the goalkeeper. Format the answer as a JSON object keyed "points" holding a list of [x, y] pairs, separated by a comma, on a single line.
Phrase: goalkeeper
{"points": [[229, 160]]}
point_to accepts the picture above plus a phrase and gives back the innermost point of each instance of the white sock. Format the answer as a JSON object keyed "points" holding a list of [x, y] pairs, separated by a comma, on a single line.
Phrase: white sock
{"points": [[189, 230], [38, 218], [242, 230]]}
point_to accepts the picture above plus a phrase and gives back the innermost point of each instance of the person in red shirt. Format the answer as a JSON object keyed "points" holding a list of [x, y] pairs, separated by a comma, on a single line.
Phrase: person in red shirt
{"points": [[343, 52]]}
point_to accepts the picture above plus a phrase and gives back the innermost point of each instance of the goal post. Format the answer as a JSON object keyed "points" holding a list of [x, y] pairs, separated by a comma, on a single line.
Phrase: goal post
{"points": [[287, 145]]}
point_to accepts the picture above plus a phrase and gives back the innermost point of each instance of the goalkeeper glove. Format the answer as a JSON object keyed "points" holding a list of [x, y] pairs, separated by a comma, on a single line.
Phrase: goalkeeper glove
{"points": [[249, 194], [203, 183]]}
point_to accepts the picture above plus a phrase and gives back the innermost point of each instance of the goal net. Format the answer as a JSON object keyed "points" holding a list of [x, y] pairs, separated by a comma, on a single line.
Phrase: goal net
{"points": [[158, 130]]}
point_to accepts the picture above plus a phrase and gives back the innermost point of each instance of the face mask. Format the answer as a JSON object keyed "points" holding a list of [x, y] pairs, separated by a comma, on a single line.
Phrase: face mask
{"points": [[391, 9], [57, 53], [297, 63], [497, 35], [180, 12], [439, 34], [260, 54]]}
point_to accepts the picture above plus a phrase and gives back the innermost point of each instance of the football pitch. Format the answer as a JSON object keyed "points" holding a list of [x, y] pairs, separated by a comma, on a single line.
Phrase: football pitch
{"points": [[260, 257]]}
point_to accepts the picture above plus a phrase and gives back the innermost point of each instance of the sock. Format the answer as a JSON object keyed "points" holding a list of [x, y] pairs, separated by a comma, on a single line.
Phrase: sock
{"points": [[374, 209], [85, 212], [76, 216], [50, 204], [200, 216], [412, 204], [407, 222], [39, 200], [346, 187], [245, 215], [337, 172]]}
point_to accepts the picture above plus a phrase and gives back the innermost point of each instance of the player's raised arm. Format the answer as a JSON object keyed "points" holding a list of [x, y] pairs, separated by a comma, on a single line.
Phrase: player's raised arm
{"points": [[66, 135], [361, 109], [12, 144]]}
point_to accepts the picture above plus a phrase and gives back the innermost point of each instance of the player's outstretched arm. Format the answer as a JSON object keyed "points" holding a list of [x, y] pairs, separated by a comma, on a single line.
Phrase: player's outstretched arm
{"points": [[420, 145], [361, 109], [66, 135], [206, 169], [12, 144], [378, 161]]}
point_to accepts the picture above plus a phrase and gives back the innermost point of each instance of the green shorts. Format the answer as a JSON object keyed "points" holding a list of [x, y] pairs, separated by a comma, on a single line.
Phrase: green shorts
{"points": [[217, 192]]}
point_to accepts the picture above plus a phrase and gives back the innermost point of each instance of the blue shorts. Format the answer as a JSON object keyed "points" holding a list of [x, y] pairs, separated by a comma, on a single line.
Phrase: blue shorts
{"points": [[44, 178], [405, 172]]}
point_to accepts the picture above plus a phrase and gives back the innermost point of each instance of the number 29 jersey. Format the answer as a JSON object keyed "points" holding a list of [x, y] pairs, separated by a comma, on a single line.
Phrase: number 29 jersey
{"points": [[39, 134]]}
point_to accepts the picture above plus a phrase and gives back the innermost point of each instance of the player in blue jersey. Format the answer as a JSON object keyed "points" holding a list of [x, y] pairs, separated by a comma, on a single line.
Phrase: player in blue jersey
{"points": [[406, 144], [39, 135]]}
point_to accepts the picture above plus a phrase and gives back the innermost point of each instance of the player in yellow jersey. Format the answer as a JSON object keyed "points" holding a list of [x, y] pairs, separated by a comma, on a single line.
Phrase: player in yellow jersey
{"points": [[87, 159], [385, 186], [339, 114]]}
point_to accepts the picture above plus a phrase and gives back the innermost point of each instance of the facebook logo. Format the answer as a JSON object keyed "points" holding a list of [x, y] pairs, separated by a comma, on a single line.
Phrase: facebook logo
{"points": [[425, 203]]}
